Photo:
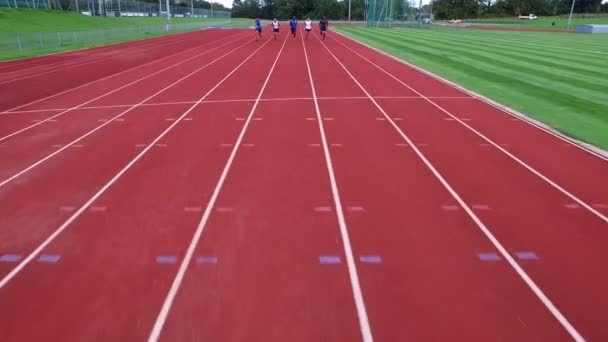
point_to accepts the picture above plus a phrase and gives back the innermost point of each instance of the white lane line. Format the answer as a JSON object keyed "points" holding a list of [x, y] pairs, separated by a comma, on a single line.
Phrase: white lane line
{"points": [[74, 216], [364, 325], [11, 80], [99, 208], [67, 208], [601, 154], [183, 267], [113, 91], [207, 101], [76, 61], [355, 209], [116, 118], [503, 251], [489, 141], [172, 56], [285, 99], [104, 50], [98, 56]]}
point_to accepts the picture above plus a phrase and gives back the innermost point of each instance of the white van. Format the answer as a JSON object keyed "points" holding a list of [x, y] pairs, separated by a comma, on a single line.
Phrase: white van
{"points": [[528, 17]]}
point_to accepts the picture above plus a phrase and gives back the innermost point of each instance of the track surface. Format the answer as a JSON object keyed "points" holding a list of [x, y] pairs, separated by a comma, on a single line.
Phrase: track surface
{"points": [[286, 190]]}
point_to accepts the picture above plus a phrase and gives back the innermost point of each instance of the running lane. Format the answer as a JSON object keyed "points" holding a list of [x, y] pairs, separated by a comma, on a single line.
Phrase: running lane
{"points": [[257, 273], [91, 89], [575, 169], [46, 84], [43, 138], [38, 200], [31, 63], [421, 261], [560, 244], [115, 258]]}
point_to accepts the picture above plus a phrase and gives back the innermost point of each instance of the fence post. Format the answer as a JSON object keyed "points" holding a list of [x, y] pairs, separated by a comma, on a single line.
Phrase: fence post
{"points": [[19, 41], [41, 41], [59, 38]]}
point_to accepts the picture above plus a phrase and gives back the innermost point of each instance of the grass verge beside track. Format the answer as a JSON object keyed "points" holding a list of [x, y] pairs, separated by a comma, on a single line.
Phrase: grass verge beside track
{"points": [[557, 78]]}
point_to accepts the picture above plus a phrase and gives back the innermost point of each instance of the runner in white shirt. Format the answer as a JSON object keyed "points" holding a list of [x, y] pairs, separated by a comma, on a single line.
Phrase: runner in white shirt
{"points": [[275, 27], [308, 27]]}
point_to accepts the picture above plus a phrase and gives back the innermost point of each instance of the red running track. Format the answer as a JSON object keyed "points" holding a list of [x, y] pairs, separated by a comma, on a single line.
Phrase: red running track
{"points": [[30, 80], [292, 190]]}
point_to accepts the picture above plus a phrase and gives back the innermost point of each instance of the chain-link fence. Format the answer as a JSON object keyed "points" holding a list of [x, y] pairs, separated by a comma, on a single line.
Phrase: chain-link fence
{"points": [[29, 41], [32, 4], [388, 13], [115, 8]]}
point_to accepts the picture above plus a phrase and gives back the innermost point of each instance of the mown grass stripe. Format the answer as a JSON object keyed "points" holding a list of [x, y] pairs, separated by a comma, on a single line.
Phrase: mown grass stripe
{"points": [[591, 64], [549, 95], [487, 67], [525, 39], [561, 80], [600, 64]]}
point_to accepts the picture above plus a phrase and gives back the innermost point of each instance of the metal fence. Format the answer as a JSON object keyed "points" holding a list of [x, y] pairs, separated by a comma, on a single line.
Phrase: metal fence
{"points": [[32, 4], [131, 8], [127, 8], [30, 41]]}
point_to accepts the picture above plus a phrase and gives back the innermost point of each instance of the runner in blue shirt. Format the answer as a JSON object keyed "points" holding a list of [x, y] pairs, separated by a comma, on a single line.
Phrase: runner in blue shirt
{"points": [[294, 26], [258, 29]]}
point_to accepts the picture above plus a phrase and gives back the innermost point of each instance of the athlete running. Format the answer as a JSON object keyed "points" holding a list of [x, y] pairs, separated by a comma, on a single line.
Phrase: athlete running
{"points": [[323, 24], [258, 29], [308, 24], [294, 26], [275, 27]]}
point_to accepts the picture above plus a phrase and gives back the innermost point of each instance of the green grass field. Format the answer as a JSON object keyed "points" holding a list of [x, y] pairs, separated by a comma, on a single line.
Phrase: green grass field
{"points": [[558, 22], [560, 79], [23, 20], [42, 25]]}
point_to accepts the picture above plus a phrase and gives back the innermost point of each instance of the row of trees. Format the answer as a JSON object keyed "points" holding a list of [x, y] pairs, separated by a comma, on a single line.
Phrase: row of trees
{"points": [[451, 9], [442, 9], [315, 9], [196, 4], [102, 7]]}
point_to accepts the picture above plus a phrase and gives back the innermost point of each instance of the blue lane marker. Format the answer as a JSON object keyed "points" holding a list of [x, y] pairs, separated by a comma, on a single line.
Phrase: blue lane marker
{"points": [[206, 260], [488, 257], [166, 259], [370, 259], [10, 257], [49, 258], [329, 259], [526, 255]]}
